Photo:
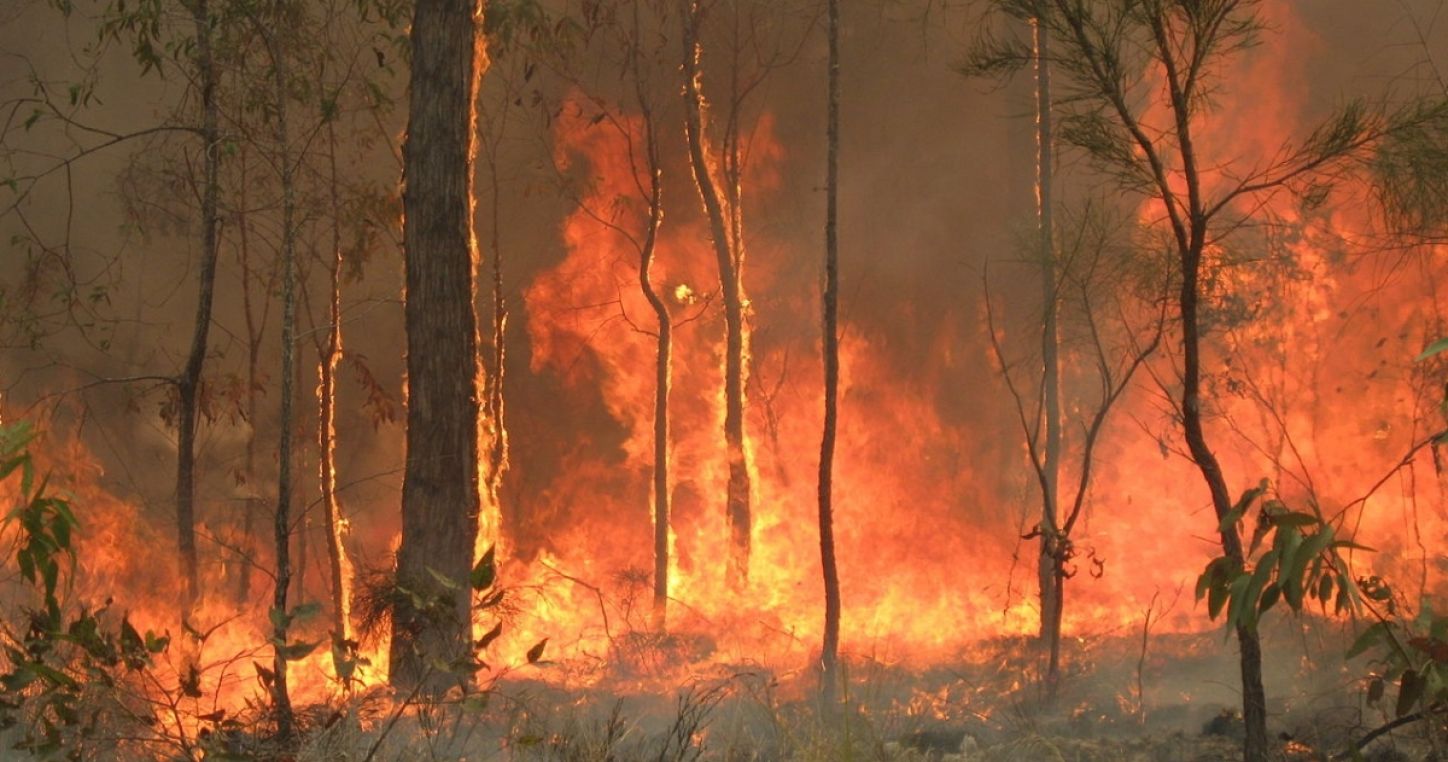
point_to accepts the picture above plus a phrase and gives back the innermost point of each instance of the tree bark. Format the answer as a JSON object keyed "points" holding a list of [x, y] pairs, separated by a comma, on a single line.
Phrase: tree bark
{"points": [[281, 699], [829, 649], [663, 346], [252, 502], [1254, 697], [188, 385], [1050, 578], [494, 401], [662, 378], [729, 253], [440, 491], [338, 565]]}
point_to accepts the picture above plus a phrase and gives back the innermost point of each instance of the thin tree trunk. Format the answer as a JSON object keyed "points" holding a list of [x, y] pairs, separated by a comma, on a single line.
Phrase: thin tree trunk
{"points": [[1050, 579], [729, 253], [189, 383], [829, 651], [1191, 248], [664, 343], [253, 366], [281, 699], [440, 491], [338, 565], [495, 425], [495, 403], [1254, 698], [662, 374]]}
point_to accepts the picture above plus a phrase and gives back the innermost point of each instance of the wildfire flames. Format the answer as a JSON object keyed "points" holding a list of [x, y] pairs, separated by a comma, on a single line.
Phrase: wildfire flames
{"points": [[1316, 389]]}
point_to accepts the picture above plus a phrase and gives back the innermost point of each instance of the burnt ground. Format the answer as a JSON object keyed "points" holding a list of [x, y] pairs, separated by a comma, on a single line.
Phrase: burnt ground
{"points": [[1173, 703]]}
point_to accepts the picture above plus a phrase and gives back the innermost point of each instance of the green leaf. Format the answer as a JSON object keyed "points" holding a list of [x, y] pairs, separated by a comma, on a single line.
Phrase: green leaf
{"points": [[1270, 595], [306, 611], [1238, 596], [1292, 576], [1230, 520], [1295, 519], [157, 643], [1435, 348], [492, 600], [1216, 597], [1369, 637], [444, 580], [1375, 690], [18, 679], [488, 637], [1324, 589], [297, 649], [280, 619], [52, 675], [1410, 689], [27, 564], [485, 572]]}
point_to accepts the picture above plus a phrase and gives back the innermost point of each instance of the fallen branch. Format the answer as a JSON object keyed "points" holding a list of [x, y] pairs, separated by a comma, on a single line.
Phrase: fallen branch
{"points": [[1375, 734]]}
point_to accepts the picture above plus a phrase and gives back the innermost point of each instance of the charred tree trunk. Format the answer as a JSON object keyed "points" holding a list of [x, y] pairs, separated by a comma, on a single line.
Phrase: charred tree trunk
{"points": [[440, 491], [1049, 568], [338, 565], [188, 386], [829, 649], [729, 253]]}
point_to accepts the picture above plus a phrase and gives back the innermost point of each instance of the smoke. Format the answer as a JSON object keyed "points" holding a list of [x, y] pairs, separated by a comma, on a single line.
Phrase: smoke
{"points": [[935, 188]]}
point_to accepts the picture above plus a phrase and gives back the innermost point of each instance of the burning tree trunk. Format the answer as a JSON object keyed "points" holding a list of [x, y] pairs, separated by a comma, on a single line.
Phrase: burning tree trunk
{"points": [[729, 251], [338, 565], [830, 302], [188, 386], [440, 497], [493, 400], [663, 339]]}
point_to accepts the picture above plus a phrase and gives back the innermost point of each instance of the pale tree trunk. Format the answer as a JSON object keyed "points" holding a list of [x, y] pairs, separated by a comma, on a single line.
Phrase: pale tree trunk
{"points": [[728, 251], [440, 491], [1051, 577], [189, 383], [339, 566], [829, 651], [252, 501], [281, 699]]}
